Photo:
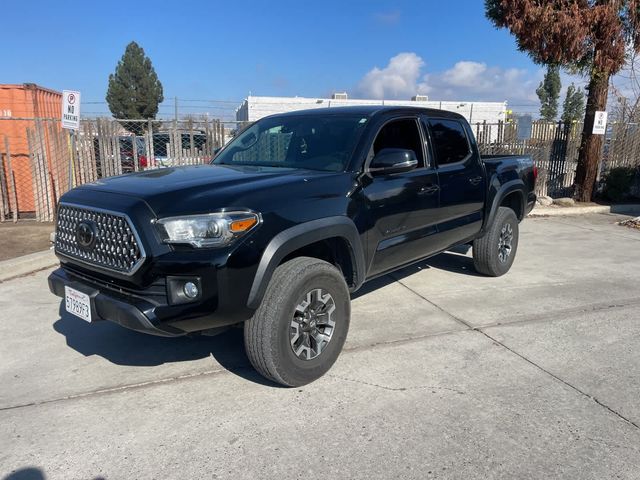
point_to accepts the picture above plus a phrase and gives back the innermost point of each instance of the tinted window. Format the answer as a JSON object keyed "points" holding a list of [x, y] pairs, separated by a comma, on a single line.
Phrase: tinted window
{"points": [[271, 144], [199, 139], [449, 141], [160, 142], [126, 145], [400, 134], [163, 141], [315, 142]]}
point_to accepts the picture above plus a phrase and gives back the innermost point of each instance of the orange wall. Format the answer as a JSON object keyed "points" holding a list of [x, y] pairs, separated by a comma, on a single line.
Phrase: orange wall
{"points": [[24, 101]]}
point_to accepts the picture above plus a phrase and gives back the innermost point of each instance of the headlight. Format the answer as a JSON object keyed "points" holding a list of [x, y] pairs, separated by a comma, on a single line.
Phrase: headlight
{"points": [[209, 230]]}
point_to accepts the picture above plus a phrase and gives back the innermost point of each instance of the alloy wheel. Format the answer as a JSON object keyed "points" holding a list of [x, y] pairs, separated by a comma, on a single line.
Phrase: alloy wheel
{"points": [[313, 324], [505, 242]]}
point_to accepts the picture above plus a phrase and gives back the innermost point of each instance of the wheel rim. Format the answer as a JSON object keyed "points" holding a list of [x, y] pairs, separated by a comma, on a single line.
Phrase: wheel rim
{"points": [[312, 325], [505, 243]]}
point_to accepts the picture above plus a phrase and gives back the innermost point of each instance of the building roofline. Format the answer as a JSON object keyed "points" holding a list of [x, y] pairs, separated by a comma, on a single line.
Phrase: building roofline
{"points": [[30, 86], [381, 100]]}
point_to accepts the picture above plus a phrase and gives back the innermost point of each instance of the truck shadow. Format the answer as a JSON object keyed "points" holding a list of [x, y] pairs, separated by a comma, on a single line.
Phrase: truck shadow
{"points": [[450, 261], [454, 261], [125, 347]]}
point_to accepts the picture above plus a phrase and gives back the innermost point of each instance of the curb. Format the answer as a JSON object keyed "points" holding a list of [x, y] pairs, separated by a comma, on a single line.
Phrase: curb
{"points": [[539, 211], [19, 266]]}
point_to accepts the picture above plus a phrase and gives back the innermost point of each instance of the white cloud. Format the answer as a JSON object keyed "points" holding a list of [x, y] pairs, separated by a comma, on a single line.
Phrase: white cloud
{"points": [[404, 76], [469, 80], [399, 79], [466, 80], [465, 74]]}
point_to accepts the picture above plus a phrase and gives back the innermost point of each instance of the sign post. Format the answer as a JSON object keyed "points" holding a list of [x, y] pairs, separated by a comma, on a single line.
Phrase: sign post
{"points": [[71, 122], [599, 123]]}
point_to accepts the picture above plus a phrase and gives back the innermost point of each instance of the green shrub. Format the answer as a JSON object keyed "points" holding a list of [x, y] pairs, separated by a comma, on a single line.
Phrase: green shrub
{"points": [[618, 183]]}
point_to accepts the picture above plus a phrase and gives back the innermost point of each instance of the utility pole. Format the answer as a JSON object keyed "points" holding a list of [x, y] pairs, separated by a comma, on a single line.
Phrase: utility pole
{"points": [[175, 106]]}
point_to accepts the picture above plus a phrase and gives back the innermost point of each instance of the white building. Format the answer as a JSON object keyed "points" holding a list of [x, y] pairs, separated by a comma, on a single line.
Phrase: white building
{"points": [[254, 108]]}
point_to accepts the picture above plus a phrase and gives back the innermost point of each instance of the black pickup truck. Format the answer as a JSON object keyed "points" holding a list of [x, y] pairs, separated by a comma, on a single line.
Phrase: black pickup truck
{"points": [[293, 215]]}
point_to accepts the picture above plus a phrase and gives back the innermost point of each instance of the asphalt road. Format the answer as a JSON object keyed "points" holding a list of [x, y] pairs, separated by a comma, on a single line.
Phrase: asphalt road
{"points": [[446, 374]]}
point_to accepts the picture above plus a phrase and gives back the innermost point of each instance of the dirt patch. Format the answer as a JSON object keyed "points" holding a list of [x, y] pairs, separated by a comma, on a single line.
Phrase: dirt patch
{"points": [[24, 237], [632, 223]]}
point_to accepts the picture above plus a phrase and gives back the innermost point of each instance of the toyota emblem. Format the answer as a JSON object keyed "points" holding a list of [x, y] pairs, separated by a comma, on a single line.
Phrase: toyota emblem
{"points": [[86, 234]]}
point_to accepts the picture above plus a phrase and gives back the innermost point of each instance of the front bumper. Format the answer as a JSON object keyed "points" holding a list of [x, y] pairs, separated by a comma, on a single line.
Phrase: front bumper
{"points": [[144, 298], [139, 311]]}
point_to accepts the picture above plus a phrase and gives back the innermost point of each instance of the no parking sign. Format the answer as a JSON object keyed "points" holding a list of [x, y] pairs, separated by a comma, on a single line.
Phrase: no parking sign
{"points": [[600, 123], [70, 109]]}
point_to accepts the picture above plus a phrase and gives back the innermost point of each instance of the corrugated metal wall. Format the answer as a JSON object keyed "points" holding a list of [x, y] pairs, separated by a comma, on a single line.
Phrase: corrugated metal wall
{"points": [[24, 101]]}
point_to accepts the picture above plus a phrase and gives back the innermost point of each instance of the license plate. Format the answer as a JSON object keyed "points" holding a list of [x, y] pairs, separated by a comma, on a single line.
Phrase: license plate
{"points": [[77, 303]]}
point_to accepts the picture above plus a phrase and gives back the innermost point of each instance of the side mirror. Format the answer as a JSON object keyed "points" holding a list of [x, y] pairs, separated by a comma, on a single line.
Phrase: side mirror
{"points": [[393, 160], [249, 139]]}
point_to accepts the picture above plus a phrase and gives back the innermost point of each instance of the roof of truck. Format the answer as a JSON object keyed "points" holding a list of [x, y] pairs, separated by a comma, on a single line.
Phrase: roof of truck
{"points": [[370, 110]]}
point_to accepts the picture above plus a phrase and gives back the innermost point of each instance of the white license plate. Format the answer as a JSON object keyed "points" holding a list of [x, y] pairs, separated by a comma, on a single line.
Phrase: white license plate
{"points": [[77, 303]]}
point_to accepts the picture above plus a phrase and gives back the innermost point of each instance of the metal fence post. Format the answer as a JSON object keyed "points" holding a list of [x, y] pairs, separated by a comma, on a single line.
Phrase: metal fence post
{"points": [[13, 200], [72, 155], [3, 191]]}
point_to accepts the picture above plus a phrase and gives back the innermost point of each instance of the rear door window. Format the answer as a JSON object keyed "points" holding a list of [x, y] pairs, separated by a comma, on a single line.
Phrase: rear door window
{"points": [[449, 140]]}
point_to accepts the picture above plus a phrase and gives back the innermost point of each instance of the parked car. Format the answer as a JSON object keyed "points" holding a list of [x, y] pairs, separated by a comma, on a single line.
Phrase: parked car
{"points": [[127, 159], [126, 153], [293, 215], [161, 146]]}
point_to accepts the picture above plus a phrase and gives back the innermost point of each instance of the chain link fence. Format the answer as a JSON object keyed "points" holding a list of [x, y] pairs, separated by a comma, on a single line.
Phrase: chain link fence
{"points": [[41, 161], [555, 147]]}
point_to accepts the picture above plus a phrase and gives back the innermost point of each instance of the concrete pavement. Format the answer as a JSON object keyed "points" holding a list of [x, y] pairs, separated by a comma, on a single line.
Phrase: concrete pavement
{"points": [[25, 264], [582, 209], [446, 374]]}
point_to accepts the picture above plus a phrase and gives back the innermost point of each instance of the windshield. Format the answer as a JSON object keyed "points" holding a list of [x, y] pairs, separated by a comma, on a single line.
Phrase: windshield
{"points": [[314, 142]]}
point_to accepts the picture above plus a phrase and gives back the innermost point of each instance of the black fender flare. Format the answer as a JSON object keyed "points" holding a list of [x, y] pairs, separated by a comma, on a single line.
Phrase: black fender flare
{"points": [[504, 190], [299, 236]]}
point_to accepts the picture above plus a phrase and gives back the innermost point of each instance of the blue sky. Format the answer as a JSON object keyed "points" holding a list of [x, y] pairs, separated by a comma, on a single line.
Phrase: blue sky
{"points": [[221, 51]]}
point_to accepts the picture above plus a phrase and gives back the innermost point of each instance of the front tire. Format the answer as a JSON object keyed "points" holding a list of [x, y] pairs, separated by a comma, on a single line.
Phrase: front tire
{"points": [[299, 330], [493, 254]]}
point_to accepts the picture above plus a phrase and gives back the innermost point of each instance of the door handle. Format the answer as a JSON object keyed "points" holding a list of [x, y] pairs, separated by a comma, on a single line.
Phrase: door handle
{"points": [[475, 180], [429, 190]]}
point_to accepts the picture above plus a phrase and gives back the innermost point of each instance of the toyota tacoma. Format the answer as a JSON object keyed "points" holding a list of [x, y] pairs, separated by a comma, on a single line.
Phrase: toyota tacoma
{"points": [[293, 215]]}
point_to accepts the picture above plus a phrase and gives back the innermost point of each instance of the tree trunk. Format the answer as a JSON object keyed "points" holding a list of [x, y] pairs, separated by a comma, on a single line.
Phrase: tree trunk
{"points": [[591, 145]]}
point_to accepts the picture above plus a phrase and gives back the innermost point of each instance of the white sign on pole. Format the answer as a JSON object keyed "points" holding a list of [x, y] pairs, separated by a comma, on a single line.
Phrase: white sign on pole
{"points": [[70, 109], [600, 123]]}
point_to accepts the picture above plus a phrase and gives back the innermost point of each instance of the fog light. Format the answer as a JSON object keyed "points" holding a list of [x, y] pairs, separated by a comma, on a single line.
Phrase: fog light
{"points": [[191, 290]]}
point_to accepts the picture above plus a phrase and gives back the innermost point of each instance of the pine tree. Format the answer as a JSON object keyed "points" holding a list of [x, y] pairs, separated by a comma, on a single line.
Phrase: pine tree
{"points": [[549, 92], [573, 107], [134, 89], [588, 35]]}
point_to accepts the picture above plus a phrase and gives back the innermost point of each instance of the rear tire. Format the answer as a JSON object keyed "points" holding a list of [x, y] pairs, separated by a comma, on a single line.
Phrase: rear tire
{"points": [[298, 331], [494, 253]]}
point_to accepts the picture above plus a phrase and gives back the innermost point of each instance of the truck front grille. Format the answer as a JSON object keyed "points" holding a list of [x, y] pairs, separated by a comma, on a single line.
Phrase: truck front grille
{"points": [[96, 237]]}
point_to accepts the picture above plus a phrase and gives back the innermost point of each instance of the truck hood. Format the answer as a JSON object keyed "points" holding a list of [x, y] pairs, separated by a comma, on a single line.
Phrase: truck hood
{"points": [[204, 188]]}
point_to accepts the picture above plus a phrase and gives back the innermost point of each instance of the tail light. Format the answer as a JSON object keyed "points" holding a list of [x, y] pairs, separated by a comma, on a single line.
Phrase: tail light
{"points": [[535, 172], [143, 161]]}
